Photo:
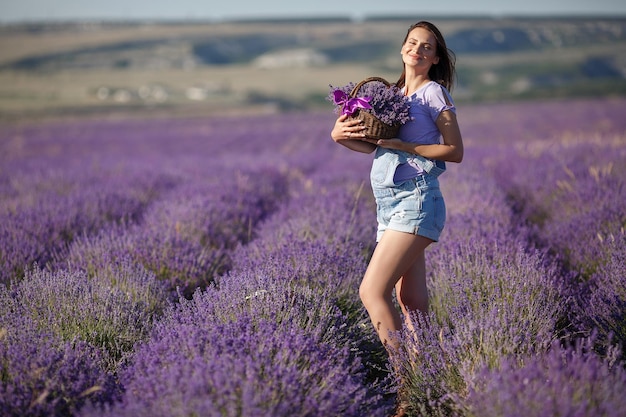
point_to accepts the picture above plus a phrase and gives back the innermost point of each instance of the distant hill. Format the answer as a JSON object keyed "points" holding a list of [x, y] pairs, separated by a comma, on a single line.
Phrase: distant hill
{"points": [[498, 59]]}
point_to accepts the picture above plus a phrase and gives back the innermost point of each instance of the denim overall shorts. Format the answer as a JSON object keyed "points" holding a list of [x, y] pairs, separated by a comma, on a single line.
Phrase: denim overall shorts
{"points": [[414, 206]]}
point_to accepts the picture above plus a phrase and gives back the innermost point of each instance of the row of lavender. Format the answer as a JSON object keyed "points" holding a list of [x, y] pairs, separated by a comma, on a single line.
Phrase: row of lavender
{"points": [[274, 223]]}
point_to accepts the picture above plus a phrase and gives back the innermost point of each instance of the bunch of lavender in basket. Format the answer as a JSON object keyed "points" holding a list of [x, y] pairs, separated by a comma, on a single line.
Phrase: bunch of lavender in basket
{"points": [[385, 102]]}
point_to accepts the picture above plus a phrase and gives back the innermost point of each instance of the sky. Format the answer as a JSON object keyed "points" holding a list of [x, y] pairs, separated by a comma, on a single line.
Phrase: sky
{"points": [[14, 11]]}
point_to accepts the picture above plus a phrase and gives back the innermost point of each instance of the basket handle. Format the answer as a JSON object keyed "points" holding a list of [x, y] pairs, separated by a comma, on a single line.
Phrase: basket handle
{"points": [[356, 88]]}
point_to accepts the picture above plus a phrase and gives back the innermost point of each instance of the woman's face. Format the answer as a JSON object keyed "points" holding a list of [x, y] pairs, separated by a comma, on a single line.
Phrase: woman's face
{"points": [[420, 49]]}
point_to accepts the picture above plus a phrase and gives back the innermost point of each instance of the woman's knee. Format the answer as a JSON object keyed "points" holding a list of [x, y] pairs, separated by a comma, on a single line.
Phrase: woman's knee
{"points": [[365, 295], [370, 296]]}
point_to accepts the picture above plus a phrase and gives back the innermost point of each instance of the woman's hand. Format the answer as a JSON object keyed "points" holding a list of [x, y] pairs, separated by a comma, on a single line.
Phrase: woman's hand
{"points": [[345, 130], [393, 143], [351, 134]]}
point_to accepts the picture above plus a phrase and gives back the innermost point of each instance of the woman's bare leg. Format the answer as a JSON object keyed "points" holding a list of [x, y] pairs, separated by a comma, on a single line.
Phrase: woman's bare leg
{"points": [[412, 291], [397, 254]]}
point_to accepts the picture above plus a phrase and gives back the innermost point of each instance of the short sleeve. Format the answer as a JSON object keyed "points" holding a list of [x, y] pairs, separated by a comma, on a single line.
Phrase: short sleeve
{"points": [[438, 99]]}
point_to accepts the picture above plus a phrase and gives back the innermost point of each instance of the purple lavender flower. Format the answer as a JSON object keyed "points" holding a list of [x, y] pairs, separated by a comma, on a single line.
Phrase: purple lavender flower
{"points": [[387, 103]]}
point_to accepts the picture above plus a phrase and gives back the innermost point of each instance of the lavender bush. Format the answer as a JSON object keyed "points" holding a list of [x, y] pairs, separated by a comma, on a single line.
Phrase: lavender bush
{"points": [[43, 213], [186, 237], [45, 376], [581, 200], [602, 302], [110, 313], [245, 367], [180, 264], [562, 381], [576, 212]]}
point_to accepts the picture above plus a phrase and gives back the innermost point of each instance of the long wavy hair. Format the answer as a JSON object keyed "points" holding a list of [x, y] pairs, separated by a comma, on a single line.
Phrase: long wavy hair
{"points": [[444, 71]]}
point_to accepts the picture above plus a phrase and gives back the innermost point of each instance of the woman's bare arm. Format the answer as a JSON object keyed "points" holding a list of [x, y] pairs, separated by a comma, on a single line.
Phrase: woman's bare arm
{"points": [[450, 150]]}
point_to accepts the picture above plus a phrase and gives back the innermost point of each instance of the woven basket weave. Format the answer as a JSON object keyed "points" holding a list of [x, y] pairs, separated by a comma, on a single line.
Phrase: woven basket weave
{"points": [[375, 128]]}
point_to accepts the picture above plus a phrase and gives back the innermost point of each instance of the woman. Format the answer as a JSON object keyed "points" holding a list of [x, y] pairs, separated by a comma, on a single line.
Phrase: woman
{"points": [[410, 207]]}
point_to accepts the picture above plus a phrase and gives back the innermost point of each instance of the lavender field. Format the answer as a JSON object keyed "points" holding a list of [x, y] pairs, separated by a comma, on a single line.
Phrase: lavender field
{"points": [[210, 267]]}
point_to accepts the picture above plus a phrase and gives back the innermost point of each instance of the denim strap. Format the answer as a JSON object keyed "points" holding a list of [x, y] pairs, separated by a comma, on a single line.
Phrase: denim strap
{"points": [[431, 166]]}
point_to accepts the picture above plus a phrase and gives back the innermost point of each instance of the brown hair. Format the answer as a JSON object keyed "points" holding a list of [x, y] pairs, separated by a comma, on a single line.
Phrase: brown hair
{"points": [[443, 72]]}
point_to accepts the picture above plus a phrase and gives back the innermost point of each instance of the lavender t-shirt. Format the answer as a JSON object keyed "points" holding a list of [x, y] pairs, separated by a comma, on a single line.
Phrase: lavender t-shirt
{"points": [[425, 106]]}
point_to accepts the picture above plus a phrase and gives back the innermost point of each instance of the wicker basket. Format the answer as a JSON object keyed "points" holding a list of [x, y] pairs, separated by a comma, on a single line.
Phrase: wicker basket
{"points": [[375, 128]]}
